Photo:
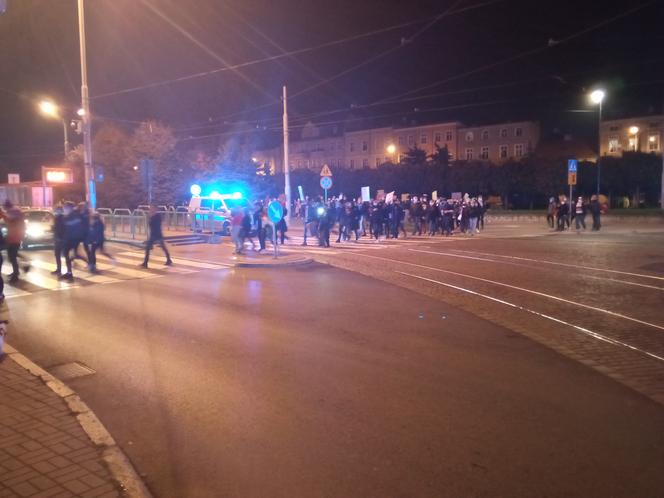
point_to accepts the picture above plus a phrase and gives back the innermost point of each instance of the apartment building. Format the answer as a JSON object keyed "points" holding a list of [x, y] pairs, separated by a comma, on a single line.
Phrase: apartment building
{"points": [[642, 134], [372, 147]]}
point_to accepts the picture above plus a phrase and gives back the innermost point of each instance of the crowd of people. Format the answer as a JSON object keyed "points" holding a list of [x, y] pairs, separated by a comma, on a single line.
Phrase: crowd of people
{"points": [[355, 218], [559, 217]]}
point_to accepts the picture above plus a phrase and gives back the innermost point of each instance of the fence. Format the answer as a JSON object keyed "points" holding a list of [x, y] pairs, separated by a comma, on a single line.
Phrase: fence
{"points": [[125, 223]]}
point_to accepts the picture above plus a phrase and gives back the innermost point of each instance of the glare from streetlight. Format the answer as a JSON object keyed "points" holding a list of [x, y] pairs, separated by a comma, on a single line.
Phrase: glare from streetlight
{"points": [[633, 130], [597, 96], [391, 149], [48, 108], [81, 112]]}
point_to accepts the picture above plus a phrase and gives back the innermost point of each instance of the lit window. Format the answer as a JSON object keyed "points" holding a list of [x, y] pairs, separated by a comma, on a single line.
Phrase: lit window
{"points": [[469, 154], [365, 146], [411, 140], [484, 154], [614, 145], [365, 163], [352, 147], [485, 135], [438, 137], [632, 144], [448, 136], [518, 150], [423, 138], [503, 132], [503, 151], [518, 132], [469, 136], [653, 142]]}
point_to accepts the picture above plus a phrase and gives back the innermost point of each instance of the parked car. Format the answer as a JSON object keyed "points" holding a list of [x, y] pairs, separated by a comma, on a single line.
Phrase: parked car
{"points": [[39, 228]]}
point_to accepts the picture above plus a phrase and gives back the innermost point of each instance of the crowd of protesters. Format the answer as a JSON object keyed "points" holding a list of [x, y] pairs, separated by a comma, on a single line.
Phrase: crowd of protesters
{"points": [[355, 218], [561, 213]]}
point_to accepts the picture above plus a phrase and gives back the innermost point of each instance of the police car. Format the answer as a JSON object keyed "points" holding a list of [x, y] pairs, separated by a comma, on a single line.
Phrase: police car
{"points": [[213, 212]]}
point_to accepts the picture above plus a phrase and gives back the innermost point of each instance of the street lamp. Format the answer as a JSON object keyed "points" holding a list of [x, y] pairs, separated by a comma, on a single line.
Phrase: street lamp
{"points": [[634, 131], [597, 97], [49, 109]]}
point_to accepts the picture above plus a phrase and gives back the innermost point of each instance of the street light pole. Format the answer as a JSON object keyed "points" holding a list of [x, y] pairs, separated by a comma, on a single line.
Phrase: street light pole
{"points": [[66, 129], [287, 188], [90, 187], [599, 146]]}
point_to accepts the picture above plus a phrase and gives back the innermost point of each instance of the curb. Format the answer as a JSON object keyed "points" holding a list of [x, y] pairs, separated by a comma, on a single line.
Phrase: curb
{"points": [[297, 262], [133, 243], [119, 466]]}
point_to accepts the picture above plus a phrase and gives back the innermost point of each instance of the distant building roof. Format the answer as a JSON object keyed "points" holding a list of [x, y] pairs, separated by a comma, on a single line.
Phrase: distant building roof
{"points": [[565, 147]]}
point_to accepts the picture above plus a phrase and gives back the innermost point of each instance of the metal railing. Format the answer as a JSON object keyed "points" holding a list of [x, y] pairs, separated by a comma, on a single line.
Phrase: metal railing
{"points": [[125, 223]]}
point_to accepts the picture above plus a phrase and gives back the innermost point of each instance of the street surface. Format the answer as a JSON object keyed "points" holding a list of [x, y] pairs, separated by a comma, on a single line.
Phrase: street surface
{"points": [[316, 381]]}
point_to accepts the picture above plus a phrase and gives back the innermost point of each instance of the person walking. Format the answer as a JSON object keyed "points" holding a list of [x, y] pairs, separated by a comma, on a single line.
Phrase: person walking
{"points": [[448, 217], [15, 220], [156, 237], [258, 225], [246, 232], [473, 216], [482, 210], [580, 212], [73, 234], [595, 211], [282, 227], [236, 229], [96, 241], [325, 219], [58, 239], [551, 212]]}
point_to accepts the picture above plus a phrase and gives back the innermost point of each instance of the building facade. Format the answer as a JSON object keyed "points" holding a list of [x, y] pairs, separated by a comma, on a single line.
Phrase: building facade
{"points": [[372, 147], [643, 134]]}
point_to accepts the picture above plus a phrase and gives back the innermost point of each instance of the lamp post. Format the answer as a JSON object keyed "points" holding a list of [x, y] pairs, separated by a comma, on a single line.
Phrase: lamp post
{"points": [[597, 97], [90, 186], [49, 109]]}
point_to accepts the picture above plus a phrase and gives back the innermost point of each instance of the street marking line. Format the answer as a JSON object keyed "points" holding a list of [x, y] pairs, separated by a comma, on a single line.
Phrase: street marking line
{"points": [[126, 271], [626, 282], [586, 331], [97, 279], [562, 264], [170, 269], [537, 293], [179, 261], [11, 292], [37, 279]]}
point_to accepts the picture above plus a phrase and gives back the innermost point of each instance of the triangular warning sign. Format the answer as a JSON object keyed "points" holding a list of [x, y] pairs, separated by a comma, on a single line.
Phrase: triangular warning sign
{"points": [[326, 171]]}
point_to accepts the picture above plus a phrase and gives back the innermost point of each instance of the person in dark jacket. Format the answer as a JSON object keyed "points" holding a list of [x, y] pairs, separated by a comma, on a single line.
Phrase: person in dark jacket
{"points": [[15, 220], [84, 213], [325, 220], [282, 227], [96, 240], [595, 211], [156, 237], [73, 235], [58, 239], [447, 211], [258, 225]]}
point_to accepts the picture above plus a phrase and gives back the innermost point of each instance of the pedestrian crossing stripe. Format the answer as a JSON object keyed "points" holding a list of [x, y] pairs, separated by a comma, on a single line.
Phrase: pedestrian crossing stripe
{"points": [[40, 279], [203, 265]]}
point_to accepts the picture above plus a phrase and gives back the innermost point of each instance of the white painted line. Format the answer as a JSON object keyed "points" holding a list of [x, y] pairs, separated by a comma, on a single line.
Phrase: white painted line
{"points": [[178, 261], [583, 330], [563, 264], [537, 293], [171, 269], [11, 292], [309, 251], [126, 271], [626, 282], [98, 279]]}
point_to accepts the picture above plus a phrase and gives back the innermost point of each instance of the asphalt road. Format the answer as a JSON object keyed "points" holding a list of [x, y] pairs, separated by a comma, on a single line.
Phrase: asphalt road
{"points": [[315, 381]]}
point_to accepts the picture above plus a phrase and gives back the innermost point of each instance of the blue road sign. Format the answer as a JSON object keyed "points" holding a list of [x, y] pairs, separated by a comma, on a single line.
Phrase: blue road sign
{"points": [[275, 211], [571, 165], [326, 182]]}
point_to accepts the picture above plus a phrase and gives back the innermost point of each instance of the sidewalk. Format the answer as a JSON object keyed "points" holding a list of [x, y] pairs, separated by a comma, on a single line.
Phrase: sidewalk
{"points": [[51, 444]]}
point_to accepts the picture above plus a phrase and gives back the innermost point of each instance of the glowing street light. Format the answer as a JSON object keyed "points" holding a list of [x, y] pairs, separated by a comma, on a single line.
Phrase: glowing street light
{"points": [[195, 190], [634, 131], [48, 108], [391, 149], [597, 97]]}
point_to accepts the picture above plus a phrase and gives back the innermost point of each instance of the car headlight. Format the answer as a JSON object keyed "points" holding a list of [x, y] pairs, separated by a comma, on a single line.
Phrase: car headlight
{"points": [[34, 231]]}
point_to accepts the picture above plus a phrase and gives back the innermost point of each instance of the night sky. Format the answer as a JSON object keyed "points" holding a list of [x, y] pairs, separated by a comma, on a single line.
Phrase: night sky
{"points": [[499, 60]]}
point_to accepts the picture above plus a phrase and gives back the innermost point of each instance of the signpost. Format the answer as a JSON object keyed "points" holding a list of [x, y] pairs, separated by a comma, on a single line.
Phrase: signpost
{"points": [[326, 179], [572, 165], [275, 212], [54, 175]]}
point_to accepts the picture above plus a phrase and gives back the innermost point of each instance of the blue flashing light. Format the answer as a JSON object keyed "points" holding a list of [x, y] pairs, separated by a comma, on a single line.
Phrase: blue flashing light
{"points": [[236, 195], [320, 211], [195, 190], [215, 195]]}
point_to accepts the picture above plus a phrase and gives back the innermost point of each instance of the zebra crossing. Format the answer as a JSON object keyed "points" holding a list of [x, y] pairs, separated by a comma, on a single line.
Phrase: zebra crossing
{"points": [[294, 244], [124, 267]]}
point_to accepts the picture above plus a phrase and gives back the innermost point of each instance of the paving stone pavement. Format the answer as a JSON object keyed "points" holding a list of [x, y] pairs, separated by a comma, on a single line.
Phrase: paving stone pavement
{"points": [[44, 452]]}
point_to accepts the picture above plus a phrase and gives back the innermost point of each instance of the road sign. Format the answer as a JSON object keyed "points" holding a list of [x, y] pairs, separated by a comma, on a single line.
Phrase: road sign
{"points": [[275, 211], [571, 178], [326, 182], [326, 171], [571, 166]]}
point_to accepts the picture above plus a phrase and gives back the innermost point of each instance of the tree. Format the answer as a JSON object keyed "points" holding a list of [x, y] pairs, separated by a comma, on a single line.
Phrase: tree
{"points": [[155, 141], [121, 186]]}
